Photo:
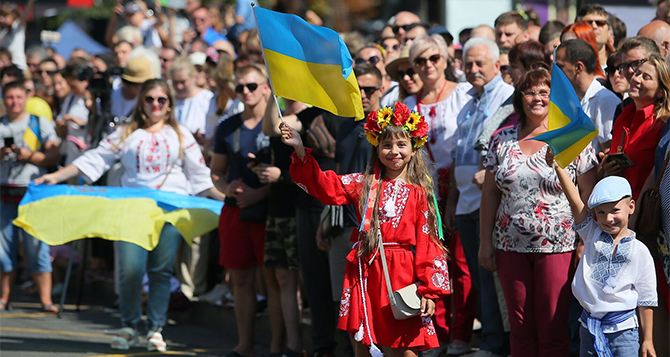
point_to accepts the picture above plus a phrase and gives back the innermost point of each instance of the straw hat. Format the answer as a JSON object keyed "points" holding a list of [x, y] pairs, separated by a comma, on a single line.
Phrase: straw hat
{"points": [[392, 67], [138, 70]]}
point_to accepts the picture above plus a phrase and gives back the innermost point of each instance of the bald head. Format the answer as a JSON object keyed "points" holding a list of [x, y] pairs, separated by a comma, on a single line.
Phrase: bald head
{"points": [[659, 32], [403, 22], [484, 31]]}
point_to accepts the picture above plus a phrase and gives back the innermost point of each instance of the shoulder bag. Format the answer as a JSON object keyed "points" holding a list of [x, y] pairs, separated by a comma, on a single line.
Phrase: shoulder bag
{"points": [[649, 218]]}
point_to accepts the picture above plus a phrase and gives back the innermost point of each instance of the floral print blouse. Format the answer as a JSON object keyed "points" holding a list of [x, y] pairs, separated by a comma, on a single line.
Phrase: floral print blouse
{"points": [[534, 215]]}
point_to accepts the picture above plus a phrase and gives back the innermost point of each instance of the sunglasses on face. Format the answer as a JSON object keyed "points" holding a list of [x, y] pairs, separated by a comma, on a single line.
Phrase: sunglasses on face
{"points": [[151, 100], [408, 72], [369, 91], [421, 61], [612, 70], [373, 60], [250, 86], [392, 47], [599, 23], [632, 65], [44, 71], [406, 28]]}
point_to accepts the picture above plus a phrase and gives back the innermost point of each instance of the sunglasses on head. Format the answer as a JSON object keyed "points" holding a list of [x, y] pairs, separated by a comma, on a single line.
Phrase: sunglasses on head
{"points": [[373, 60], [421, 61], [369, 91], [632, 64], [599, 23], [407, 27], [151, 100], [250, 86], [408, 72]]}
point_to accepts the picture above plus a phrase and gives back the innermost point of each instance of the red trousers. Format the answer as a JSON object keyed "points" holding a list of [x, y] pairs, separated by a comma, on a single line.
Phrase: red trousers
{"points": [[537, 293]]}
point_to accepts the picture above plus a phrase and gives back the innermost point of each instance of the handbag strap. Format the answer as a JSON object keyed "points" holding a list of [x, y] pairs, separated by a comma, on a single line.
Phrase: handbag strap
{"points": [[385, 268], [661, 173]]}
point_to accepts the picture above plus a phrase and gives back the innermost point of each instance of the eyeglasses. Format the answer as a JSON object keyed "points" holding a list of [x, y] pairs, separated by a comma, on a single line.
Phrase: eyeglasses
{"points": [[408, 72], [612, 70], [406, 28], [250, 86], [44, 71], [151, 100], [421, 61], [373, 60], [532, 94], [599, 23], [369, 91], [626, 66]]}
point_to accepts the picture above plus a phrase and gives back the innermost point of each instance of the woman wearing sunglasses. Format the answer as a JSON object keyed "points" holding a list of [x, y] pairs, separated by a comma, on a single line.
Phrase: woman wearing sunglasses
{"points": [[402, 71], [157, 153]]}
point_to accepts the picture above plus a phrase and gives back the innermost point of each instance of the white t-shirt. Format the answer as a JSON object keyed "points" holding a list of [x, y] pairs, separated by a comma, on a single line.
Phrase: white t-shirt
{"points": [[14, 40], [233, 106], [192, 112], [150, 160], [75, 106], [608, 280], [599, 103]]}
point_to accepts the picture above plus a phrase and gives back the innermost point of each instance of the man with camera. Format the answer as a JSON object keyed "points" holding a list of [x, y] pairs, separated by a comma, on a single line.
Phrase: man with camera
{"points": [[29, 146]]}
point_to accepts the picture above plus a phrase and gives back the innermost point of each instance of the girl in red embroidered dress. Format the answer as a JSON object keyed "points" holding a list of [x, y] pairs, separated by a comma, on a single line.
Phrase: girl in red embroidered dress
{"points": [[402, 210]]}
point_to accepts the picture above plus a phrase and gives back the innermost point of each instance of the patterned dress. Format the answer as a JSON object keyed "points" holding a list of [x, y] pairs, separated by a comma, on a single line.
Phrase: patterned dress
{"points": [[412, 254]]}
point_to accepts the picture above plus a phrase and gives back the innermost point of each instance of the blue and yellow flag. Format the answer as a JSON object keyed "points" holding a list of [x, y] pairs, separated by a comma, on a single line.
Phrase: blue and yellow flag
{"points": [[309, 63], [59, 214], [570, 129]]}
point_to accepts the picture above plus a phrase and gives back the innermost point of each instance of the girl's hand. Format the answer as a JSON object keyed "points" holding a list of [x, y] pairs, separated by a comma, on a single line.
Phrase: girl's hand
{"points": [[427, 307], [647, 349], [291, 137]]}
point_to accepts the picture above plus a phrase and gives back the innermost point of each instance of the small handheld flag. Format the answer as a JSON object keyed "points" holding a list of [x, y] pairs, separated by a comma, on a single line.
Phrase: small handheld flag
{"points": [[570, 129], [308, 63]]}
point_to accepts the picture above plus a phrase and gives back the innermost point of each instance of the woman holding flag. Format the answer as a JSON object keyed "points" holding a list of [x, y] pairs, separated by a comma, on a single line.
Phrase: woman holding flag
{"points": [[156, 153], [524, 211]]}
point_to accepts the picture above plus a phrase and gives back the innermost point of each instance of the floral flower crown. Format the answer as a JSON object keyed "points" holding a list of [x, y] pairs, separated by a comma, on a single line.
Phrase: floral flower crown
{"points": [[411, 122]]}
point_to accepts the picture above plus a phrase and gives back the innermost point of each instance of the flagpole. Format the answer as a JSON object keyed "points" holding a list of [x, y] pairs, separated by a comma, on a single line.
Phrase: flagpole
{"points": [[265, 61]]}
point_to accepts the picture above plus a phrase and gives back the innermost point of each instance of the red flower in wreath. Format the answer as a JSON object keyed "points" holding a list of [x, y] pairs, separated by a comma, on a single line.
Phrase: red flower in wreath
{"points": [[401, 113]]}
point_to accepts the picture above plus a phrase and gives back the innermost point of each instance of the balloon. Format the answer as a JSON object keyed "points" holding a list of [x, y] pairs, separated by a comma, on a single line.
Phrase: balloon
{"points": [[40, 107]]}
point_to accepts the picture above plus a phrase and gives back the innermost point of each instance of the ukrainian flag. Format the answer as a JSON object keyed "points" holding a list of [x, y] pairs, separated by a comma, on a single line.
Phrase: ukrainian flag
{"points": [[570, 129], [59, 214], [308, 63]]}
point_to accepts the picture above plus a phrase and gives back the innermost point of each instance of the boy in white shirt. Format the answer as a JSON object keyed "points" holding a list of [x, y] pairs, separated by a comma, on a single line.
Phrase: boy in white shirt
{"points": [[616, 274]]}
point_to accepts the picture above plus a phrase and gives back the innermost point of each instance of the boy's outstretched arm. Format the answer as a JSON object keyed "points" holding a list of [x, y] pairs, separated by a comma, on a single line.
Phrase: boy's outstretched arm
{"points": [[577, 206], [647, 323]]}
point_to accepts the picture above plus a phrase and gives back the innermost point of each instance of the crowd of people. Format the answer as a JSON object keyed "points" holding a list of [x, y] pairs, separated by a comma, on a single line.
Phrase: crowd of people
{"points": [[545, 259]]}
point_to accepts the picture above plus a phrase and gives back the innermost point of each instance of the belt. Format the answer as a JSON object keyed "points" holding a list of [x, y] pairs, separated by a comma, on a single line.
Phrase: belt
{"points": [[595, 327]]}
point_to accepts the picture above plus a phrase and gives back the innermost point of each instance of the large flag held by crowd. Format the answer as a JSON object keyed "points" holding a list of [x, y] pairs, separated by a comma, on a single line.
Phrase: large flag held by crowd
{"points": [[59, 214], [570, 129], [309, 63]]}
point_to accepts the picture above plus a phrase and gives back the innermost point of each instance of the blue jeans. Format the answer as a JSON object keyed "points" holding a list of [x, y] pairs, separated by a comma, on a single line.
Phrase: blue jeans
{"points": [[622, 343], [35, 251], [158, 264], [493, 337]]}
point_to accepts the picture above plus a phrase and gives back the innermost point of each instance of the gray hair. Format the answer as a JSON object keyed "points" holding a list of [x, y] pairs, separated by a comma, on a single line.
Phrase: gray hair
{"points": [[423, 43], [494, 51], [182, 64]]}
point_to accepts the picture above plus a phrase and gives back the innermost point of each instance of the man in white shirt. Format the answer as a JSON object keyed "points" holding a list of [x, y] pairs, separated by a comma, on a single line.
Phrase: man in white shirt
{"points": [[577, 59]]}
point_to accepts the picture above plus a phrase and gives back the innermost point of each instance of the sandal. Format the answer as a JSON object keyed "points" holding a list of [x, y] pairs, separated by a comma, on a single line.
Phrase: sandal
{"points": [[50, 308], [4, 305]]}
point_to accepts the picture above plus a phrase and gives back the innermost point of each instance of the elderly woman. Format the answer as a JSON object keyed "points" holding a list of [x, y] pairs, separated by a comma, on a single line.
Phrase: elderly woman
{"points": [[637, 130], [530, 222], [439, 101], [152, 136]]}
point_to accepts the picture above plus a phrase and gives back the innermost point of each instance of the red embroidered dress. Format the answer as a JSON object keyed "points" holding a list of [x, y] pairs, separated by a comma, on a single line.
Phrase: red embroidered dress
{"points": [[412, 255]]}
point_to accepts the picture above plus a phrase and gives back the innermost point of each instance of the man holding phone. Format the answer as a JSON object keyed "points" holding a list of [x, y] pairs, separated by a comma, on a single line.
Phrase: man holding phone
{"points": [[29, 145]]}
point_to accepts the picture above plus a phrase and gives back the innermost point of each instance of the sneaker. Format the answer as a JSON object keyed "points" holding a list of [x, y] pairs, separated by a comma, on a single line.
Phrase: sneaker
{"points": [[457, 347], [215, 295], [124, 338], [155, 341]]}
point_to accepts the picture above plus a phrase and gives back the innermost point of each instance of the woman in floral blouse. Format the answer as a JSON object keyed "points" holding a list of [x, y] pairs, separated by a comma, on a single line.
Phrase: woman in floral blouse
{"points": [[525, 213]]}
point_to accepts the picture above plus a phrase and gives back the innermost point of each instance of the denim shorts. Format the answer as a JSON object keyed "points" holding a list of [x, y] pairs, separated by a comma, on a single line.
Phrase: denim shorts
{"points": [[622, 343], [36, 253]]}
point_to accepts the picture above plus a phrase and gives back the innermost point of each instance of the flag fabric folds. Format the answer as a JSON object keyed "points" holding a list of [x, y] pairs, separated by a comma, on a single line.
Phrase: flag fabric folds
{"points": [[309, 63], [59, 214], [570, 129]]}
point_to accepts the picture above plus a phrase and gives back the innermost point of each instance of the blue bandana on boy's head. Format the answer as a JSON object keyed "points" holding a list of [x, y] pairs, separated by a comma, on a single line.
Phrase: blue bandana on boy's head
{"points": [[609, 189]]}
